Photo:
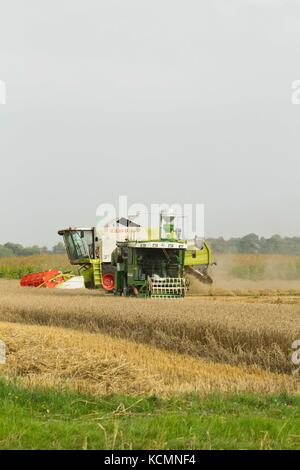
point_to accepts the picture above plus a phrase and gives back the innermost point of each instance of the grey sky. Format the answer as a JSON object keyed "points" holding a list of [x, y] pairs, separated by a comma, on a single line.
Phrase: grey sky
{"points": [[162, 100]]}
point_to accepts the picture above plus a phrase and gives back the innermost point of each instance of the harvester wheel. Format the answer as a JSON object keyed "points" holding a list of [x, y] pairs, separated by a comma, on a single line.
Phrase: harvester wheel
{"points": [[108, 281]]}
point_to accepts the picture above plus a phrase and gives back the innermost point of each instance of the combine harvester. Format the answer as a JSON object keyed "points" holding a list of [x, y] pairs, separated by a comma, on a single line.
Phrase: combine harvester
{"points": [[127, 259]]}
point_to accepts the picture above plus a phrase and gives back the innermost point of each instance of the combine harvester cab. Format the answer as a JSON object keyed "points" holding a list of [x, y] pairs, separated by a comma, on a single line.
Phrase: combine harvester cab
{"points": [[83, 249]]}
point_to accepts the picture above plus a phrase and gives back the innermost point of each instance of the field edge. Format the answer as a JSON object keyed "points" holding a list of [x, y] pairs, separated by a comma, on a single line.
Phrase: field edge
{"points": [[49, 419]]}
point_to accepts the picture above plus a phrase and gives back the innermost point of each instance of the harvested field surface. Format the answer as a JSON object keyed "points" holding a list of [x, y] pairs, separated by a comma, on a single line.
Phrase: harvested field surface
{"points": [[95, 363], [258, 334], [89, 370]]}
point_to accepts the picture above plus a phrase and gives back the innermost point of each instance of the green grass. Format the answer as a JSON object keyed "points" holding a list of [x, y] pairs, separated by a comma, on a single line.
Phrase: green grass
{"points": [[37, 419]]}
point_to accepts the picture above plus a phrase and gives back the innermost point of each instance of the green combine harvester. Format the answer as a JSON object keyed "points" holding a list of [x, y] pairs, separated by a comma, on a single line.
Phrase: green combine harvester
{"points": [[153, 268]]}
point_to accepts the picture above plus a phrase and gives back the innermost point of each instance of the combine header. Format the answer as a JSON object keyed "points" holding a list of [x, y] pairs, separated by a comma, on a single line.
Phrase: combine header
{"points": [[136, 264], [49, 279]]}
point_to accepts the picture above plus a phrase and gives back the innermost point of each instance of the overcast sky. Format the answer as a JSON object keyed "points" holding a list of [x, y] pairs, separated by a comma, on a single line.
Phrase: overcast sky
{"points": [[163, 100]]}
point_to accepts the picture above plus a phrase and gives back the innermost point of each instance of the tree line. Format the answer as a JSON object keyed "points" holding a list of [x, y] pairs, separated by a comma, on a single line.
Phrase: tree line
{"points": [[16, 249], [252, 243]]}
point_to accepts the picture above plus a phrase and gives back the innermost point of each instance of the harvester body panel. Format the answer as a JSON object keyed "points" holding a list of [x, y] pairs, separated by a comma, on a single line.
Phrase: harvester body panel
{"points": [[150, 269]]}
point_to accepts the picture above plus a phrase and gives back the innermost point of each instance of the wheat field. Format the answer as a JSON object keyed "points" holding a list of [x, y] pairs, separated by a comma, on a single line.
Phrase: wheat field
{"points": [[99, 364], [236, 333], [15, 267]]}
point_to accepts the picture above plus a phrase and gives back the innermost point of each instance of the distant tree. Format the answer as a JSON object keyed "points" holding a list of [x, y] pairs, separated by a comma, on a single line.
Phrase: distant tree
{"points": [[232, 246], [249, 244], [273, 244], [5, 252], [218, 245], [16, 248], [31, 250], [59, 248]]}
